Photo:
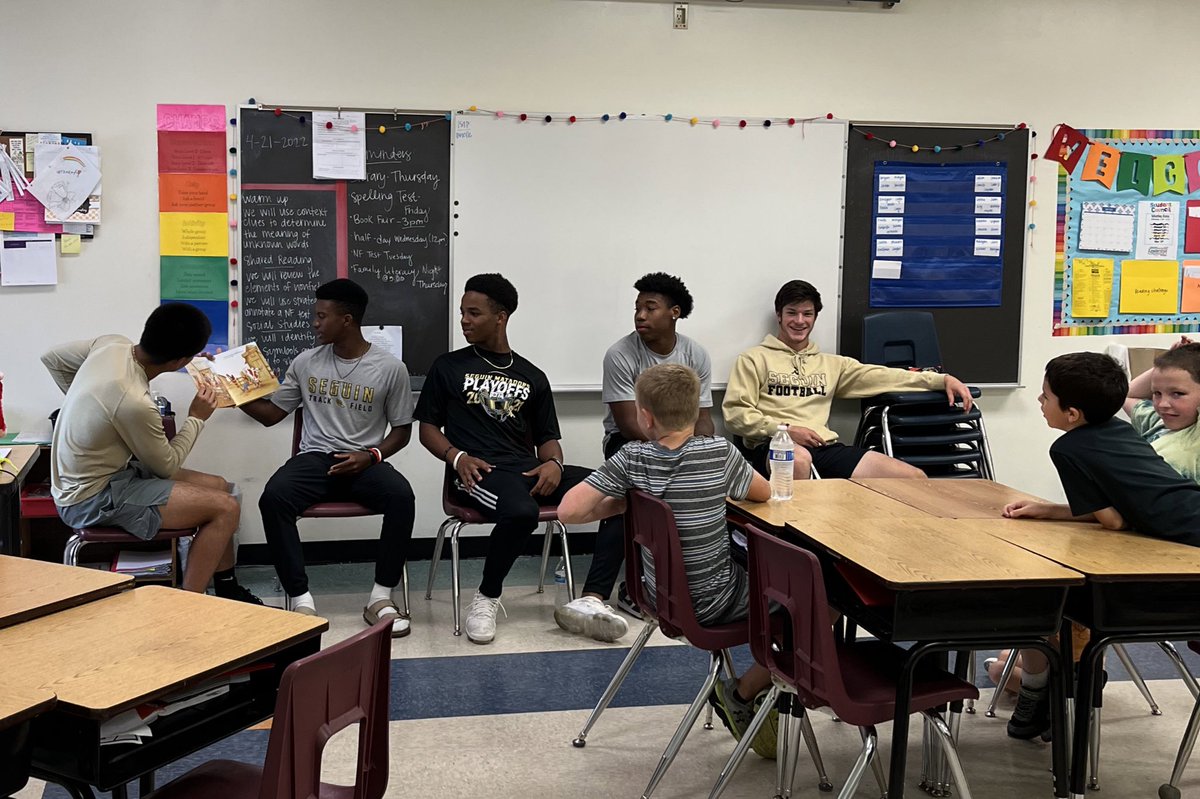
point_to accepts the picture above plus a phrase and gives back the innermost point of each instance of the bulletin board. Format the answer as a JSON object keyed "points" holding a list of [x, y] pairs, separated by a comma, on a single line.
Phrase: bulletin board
{"points": [[1128, 243], [936, 220]]}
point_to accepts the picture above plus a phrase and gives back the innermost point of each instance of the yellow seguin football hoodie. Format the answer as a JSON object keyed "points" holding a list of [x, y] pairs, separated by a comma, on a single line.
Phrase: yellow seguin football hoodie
{"points": [[772, 384]]}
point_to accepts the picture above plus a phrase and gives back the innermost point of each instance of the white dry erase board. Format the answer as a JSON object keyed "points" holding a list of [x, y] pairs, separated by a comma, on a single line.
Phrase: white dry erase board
{"points": [[573, 214]]}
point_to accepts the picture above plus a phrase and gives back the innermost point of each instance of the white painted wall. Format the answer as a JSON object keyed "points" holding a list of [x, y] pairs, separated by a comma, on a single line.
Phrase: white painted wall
{"points": [[951, 61]]}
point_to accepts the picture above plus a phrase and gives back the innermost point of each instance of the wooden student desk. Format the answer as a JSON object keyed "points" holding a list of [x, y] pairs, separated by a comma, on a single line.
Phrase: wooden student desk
{"points": [[113, 654], [949, 499], [937, 582], [821, 501], [1138, 589], [951, 588], [23, 456], [33, 588]]}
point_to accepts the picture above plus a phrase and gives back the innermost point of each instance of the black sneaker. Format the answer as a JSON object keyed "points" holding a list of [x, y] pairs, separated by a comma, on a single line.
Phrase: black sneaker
{"points": [[625, 602], [1031, 717], [239, 593]]}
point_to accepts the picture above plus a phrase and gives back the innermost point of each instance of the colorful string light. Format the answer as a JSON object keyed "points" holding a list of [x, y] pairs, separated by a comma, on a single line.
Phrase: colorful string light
{"points": [[937, 148], [690, 121], [302, 119]]}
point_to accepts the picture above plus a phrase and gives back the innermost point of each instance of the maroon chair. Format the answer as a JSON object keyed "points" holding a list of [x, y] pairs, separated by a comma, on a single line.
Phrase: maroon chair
{"points": [[340, 510], [650, 527], [458, 515], [82, 536], [318, 696], [791, 635]]}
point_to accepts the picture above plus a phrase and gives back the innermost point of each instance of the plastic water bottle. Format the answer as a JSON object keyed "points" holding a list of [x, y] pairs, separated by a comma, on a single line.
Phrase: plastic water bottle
{"points": [[560, 583], [783, 453]]}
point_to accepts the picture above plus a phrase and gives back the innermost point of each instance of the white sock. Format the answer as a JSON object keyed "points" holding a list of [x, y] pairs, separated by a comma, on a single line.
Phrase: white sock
{"points": [[1035, 680], [305, 600], [379, 592]]}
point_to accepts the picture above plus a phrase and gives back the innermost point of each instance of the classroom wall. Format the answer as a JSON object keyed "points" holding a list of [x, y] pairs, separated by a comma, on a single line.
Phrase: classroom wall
{"points": [[965, 61]]}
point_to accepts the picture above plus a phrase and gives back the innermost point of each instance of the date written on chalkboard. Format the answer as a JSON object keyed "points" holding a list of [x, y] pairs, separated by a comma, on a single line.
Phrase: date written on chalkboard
{"points": [[258, 142]]}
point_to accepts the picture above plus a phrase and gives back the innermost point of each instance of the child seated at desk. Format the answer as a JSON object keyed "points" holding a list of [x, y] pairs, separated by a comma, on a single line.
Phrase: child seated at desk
{"points": [[1110, 475], [693, 474], [1162, 406]]}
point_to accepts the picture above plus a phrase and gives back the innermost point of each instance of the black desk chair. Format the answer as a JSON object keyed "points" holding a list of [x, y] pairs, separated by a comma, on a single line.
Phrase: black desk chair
{"points": [[916, 426]]}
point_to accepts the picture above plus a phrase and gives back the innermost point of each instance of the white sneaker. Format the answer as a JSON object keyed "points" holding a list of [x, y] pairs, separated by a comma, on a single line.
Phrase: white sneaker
{"points": [[591, 617], [481, 618]]}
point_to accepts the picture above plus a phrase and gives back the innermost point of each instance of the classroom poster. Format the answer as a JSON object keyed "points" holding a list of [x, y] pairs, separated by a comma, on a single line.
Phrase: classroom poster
{"points": [[1128, 199], [193, 204]]}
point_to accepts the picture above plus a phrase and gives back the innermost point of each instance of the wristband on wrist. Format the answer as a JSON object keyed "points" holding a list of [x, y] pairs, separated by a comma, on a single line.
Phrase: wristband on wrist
{"points": [[558, 463], [376, 454], [456, 458]]}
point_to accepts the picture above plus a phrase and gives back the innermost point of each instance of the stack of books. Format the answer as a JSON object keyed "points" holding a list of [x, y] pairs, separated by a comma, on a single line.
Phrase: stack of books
{"points": [[143, 564]]}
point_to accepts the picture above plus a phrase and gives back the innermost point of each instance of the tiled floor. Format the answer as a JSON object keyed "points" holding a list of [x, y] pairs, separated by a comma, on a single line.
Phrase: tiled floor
{"points": [[498, 720]]}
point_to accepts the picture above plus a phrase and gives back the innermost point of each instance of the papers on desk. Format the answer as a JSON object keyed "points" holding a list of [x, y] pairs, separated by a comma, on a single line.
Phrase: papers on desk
{"points": [[133, 726], [143, 564], [5, 452]]}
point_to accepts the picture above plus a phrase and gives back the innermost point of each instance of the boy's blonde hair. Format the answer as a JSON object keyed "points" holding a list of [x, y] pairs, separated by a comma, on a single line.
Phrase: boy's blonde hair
{"points": [[671, 392]]}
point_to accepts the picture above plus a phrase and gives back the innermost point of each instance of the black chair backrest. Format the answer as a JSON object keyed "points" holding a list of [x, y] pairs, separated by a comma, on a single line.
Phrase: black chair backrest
{"points": [[901, 338]]}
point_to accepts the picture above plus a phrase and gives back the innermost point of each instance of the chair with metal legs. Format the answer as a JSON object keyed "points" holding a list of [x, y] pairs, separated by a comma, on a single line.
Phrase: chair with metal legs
{"points": [[650, 526], [459, 515], [790, 634]]}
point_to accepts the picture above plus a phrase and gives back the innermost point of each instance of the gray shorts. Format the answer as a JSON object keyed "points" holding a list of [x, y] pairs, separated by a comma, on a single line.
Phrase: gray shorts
{"points": [[130, 501]]}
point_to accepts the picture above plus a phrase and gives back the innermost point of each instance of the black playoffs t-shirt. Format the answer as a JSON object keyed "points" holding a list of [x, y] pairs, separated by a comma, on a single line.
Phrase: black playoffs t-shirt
{"points": [[493, 406], [1110, 465]]}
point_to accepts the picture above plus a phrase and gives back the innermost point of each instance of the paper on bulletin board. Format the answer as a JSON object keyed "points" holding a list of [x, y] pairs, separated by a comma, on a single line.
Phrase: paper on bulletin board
{"points": [[193, 278], [65, 180], [1091, 287], [29, 215], [69, 244], [1149, 287], [191, 153], [1158, 230], [193, 234], [28, 259], [389, 338], [339, 145], [1189, 302], [8, 220], [1106, 227]]}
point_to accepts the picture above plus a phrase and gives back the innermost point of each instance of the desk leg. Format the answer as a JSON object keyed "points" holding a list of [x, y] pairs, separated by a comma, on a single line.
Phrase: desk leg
{"points": [[1060, 680], [1090, 665], [900, 721], [10, 518], [146, 784]]}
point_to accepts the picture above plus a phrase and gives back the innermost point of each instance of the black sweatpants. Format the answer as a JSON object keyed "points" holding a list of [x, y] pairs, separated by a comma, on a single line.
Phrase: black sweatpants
{"points": [[304, 481], [503, 496], [610, 541]]}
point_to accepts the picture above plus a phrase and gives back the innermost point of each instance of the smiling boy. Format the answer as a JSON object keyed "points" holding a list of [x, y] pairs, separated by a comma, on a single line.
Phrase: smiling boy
{"points": [[786, 379], [1163, 403]]}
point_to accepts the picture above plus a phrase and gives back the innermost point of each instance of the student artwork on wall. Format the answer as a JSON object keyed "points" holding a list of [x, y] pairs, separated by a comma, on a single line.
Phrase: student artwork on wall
{"points": [[1128, 245], [937, 235]]}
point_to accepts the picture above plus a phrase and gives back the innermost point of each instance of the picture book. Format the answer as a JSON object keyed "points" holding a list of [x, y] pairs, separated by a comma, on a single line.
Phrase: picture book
{"points": [[238, 375]]}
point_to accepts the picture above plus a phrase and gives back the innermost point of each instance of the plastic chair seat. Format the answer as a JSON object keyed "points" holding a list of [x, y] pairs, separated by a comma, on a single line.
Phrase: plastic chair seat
{"points": [[871, 671], [471, 515], [115, 535], [965, 437], [337, 510], [942, 418]]}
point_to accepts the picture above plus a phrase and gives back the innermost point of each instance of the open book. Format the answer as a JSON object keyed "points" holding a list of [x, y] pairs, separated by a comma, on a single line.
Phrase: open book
{"points": [[239, 375]]}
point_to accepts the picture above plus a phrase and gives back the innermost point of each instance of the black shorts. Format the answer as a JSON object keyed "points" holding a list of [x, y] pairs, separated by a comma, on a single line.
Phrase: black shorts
{"points": [[836, 459]]}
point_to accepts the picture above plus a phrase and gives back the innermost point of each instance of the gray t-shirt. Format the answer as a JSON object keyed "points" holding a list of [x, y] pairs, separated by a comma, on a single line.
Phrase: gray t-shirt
{"points": [[629, 357], [348, 405]]}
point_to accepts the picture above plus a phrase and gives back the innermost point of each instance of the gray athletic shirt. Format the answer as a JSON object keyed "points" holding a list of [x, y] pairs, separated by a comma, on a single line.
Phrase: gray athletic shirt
{"points": [[629, 357], [348, 405]]}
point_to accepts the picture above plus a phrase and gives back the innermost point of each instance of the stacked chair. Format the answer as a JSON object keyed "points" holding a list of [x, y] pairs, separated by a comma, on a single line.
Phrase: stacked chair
{"points": [[917, 427]]}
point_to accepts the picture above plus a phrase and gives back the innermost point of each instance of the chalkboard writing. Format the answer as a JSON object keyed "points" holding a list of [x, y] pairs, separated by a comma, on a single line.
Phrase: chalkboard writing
{"points": [[390, 233], [289, 247]]}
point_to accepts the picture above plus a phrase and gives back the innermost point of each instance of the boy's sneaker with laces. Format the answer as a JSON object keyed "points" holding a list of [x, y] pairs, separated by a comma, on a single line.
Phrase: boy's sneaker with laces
{"points": [[591, 617], [1031, 717], [481, 619], [625, 602], [737, 716], [239, 593]]}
